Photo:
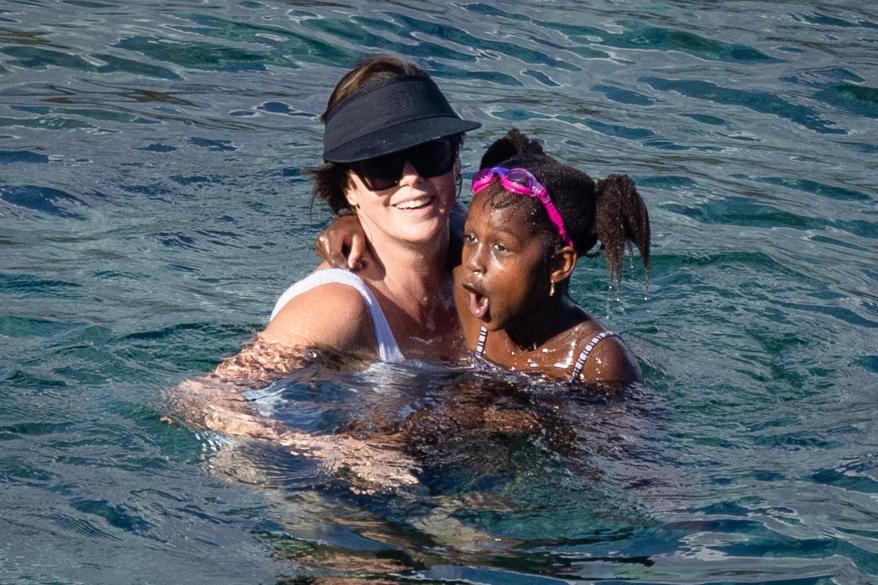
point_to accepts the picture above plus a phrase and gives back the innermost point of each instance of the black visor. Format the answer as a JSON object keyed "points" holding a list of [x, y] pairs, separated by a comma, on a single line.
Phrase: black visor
{"points": [[387, 117]]}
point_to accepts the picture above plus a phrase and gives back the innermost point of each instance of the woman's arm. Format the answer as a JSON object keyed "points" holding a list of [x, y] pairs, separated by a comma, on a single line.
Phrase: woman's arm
{"points": [[216, 402], [372, 465], [329, 316]]}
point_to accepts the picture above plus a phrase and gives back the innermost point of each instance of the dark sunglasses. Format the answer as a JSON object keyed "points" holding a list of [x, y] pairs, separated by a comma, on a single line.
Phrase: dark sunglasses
{"points": [[430, 159]]}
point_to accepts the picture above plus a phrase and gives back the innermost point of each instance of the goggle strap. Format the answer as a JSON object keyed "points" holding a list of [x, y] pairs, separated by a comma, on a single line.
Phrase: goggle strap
{"points": [[484, 178]]}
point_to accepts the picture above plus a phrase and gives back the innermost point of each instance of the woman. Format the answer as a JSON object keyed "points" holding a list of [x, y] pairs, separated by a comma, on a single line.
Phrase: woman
{"points": [[391, 158], [391, 147]]}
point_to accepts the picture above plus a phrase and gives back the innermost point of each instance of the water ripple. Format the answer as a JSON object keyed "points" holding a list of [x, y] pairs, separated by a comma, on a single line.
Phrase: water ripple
{"points": [[21, 156], [281, 41], [43, 200], [762, 102], [661, 39], [154, 201], [860, 100], [200, 56], [816, 188]]}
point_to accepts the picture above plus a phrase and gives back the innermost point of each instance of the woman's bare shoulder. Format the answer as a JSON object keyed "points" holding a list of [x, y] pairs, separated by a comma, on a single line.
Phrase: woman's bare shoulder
{"points": [[331, 315]]}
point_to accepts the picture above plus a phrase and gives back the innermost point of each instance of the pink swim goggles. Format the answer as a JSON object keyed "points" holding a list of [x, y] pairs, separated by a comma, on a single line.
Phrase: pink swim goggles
{"points": [[519, 181]]}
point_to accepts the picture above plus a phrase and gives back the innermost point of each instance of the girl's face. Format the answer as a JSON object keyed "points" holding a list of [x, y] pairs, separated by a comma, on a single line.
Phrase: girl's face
{"points": [[505, 264]]}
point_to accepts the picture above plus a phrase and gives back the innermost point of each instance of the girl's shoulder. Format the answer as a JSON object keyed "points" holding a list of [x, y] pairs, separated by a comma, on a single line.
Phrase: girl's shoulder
{"points": [[603, 358]]}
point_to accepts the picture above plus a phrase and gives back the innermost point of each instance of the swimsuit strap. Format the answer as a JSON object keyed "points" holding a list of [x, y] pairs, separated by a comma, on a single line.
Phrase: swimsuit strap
{"points": [[586, 351], [480, 344], [479, 352]]}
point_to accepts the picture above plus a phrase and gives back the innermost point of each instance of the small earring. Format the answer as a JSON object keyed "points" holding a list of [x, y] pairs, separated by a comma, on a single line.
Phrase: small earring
{"points": [[551, 287]]}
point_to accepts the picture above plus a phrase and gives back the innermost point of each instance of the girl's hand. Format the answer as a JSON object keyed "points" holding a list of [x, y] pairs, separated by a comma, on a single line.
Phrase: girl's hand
{"points": [[343, 244]]}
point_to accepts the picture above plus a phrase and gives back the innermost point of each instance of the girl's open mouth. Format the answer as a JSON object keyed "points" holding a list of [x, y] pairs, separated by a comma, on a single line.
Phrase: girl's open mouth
{"points": [[478, 303]]}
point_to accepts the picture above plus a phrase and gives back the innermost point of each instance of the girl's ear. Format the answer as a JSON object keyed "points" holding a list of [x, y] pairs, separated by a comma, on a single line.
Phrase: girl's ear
{"points": [[562, 263]]}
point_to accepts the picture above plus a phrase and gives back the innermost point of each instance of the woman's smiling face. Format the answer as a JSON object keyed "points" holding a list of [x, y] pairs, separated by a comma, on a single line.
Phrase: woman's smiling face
{"points": [[505, 263], [415, 211]]}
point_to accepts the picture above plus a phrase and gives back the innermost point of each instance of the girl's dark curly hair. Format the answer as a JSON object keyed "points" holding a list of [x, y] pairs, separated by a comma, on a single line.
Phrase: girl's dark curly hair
{"points": [[611, 212]]}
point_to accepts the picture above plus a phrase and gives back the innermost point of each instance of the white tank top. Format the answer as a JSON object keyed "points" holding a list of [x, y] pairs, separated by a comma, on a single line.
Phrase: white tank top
{"points": [[388, 350]]}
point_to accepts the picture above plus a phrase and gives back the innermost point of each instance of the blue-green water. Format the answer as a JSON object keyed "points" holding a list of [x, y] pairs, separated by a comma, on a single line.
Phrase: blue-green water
{"points": [[153, 205]]}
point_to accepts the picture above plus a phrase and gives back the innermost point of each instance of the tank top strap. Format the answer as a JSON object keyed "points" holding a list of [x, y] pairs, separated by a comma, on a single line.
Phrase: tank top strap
{"points": [[388, 349], [586, 351]]}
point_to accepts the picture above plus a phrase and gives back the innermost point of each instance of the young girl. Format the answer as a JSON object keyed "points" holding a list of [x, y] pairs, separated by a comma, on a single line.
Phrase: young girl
{"points": [[530, 219]]}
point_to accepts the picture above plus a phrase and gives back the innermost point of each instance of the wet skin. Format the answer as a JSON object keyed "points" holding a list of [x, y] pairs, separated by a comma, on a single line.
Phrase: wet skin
{"points": [[411, 218], [506, 270], [407, 230], [502, 284], [501, 272], [504, 278]]}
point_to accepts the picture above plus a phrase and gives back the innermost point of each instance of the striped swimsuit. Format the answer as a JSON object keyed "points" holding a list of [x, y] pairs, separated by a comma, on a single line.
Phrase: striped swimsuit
{"points": [[479, 353]]}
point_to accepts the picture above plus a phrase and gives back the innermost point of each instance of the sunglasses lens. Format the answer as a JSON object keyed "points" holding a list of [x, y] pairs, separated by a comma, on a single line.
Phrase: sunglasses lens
{"points": [[430, 159], [380, 173]]}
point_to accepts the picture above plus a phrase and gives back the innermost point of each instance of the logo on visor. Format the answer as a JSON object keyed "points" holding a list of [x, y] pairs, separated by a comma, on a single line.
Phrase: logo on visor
{"points": [[402, 101]]}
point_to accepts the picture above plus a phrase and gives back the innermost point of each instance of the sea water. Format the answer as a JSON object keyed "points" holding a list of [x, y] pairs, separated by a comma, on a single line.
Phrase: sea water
{"points": [[154, 202]]}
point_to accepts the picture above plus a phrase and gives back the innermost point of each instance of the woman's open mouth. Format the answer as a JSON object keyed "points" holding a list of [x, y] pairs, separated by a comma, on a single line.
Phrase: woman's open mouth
{"points": [[415, 204]]}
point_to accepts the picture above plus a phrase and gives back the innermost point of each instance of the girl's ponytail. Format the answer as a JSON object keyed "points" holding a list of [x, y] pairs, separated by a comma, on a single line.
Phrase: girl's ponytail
{"points": [[621, 217], [611, 212], [513, 144]]}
